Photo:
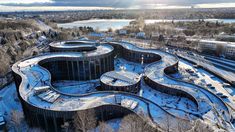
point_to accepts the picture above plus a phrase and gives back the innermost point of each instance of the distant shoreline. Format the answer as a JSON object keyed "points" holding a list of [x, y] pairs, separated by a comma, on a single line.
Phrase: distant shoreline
{"points": [[105, 24]]}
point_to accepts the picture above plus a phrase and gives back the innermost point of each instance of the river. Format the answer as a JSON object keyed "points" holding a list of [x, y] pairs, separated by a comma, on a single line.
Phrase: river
{"points": [[105, 24]]}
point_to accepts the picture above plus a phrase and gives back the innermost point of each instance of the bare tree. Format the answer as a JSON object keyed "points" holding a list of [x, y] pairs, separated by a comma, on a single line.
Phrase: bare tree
{"points": [[132, 123], [183, 126], [17, 119], [167, 123], [103, 127], [199, 126], [110, 30], [84, 120]]}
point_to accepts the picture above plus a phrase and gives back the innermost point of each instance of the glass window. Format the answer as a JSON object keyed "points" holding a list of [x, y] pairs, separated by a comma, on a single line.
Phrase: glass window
{"points": [[87, 70], [92, 70], [75, 70], [70, 69], [81, 70], [97, 68]]}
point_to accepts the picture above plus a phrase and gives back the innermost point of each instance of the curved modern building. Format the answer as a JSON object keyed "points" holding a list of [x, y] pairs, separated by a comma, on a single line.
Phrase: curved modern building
{"points": [[120, 81], [49, 108], [70, 46]]}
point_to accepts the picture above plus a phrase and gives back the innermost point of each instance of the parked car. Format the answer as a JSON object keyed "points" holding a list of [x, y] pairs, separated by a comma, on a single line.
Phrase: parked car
{"points": [[212, 87], [224, 96], [226, 85], [212, 76], [219, 94]]}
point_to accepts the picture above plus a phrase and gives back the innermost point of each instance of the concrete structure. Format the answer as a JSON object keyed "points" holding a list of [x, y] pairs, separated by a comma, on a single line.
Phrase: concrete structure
{"points": [[73, 46], [120, 81], [209, 47], [229, 52], [51, 108], [218, 48]]}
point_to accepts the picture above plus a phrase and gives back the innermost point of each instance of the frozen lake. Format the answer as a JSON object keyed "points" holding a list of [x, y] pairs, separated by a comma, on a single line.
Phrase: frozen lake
{"points": [[105, 24]]}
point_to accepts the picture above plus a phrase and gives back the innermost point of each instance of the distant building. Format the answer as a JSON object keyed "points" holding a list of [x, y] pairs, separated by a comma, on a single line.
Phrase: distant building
{"points": [[206, 46], [141, 35], [230, 51], [96, 36], [218, 48], [155, 35], [223, 37], [122, 32]]}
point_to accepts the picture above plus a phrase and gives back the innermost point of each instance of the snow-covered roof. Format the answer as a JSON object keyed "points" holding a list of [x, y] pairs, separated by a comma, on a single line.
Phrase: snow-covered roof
{"points": [[213, 42], [120, 78], [73, 44]]}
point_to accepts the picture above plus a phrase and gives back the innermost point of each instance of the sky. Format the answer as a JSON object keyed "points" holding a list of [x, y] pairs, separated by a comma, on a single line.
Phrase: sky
{"points": [[25, 5]]}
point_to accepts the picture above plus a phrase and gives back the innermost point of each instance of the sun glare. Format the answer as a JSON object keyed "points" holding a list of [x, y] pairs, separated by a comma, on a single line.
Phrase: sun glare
{"points": [[24, 1]]}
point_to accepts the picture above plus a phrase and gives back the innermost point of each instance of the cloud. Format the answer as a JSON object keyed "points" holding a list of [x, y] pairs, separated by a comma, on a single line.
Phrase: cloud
{"points": [[5, 2], [130, 4], [49, 8], [215, 5]]}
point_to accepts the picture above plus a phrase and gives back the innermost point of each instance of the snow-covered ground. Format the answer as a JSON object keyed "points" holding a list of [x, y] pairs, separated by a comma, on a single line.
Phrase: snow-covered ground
{"points": [[207, 80], [114, 124], [9, 101], [121, 64]]}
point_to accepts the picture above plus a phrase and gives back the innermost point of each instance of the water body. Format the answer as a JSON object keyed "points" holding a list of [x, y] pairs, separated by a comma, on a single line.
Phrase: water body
{"points": [[105, 24]]}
